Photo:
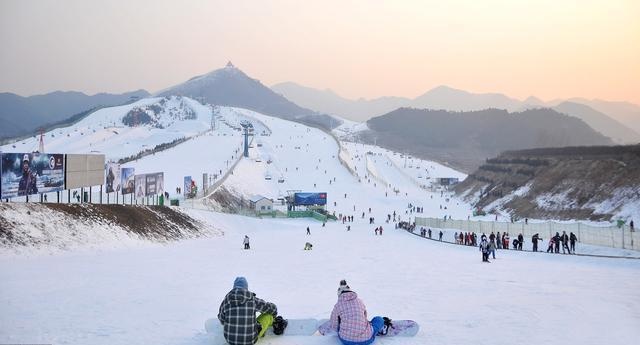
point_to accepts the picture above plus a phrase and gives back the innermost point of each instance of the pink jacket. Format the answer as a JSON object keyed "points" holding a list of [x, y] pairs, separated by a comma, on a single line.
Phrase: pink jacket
{"points": [[352, 315]]}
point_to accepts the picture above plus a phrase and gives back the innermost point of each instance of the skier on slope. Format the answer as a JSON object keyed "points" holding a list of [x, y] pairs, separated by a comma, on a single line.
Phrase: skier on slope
{"points": [[484, 248], [349, 319], [238, 315], [246, 242]]}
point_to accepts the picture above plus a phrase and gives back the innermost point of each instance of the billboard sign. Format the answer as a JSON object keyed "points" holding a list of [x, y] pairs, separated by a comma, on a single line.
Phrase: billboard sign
{"points": [[127, 180], [84, 170], [187, 186], [141, 185], [112, 177], [310, 198], [31, 173], [154, 184]]}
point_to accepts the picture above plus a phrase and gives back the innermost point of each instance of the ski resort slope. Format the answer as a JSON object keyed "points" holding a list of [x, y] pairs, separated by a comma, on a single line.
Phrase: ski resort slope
{"points": [[162, 294]]}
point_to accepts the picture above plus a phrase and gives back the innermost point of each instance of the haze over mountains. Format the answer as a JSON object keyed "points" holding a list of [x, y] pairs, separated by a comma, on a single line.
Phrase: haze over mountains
{"points": [[613, 119], [466, 139], [24, 115]]}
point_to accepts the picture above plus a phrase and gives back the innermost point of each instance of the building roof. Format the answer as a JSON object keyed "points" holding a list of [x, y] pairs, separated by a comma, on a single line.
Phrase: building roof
{"points": [[257, 198]]}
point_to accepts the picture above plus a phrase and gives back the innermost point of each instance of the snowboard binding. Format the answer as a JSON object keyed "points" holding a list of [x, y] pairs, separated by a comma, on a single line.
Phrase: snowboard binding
{"points": [[387, 325], [279, 325]]}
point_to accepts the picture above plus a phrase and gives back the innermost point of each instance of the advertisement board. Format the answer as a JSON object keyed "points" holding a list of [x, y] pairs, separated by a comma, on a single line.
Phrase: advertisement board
{"points": [[84, 170], [187, 186], [141, 185], [31, 173], [154, 184], [127, 181], [310, 198], [112, 177]]}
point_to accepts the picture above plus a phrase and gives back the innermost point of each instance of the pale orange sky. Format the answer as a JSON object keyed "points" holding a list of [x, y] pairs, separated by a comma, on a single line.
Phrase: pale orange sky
{"points": [[550, 49]]}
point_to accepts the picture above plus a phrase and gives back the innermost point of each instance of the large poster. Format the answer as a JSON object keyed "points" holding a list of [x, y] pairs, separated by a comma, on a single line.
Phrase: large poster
{"points": [[112, 177], [154, 184], [31, 173], [127, 180], [310, 198], [141, 185], [187, 186]]}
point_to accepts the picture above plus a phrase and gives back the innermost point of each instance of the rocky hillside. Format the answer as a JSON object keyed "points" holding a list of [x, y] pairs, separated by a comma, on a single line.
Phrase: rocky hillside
{"points": [[466, 139], [597, 183], [26, 227]]}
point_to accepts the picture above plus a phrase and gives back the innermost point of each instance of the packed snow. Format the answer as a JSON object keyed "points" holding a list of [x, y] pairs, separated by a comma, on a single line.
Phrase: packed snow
{"points": [[163, 293]]}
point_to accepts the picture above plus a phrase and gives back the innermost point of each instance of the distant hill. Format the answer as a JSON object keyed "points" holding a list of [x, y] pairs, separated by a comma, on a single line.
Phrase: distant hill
{"points": [[447, 98], [558, 183], [24, 115], [327, 101], [600, 122], [229, 86], [624, 112], [441, 97], [613, 119], [465, 139]]}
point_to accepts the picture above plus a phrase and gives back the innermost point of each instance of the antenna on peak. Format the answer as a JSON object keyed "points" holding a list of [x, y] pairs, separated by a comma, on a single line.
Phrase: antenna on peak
{"points": [[41, 146], [230, 65]]}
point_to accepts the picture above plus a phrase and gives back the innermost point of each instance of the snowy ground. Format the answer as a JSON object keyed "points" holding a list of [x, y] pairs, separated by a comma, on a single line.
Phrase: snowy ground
{"points": [[162, 294]]}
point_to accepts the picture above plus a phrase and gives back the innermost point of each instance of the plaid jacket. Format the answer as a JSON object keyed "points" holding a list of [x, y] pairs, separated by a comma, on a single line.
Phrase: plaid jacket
{"points": [[238, 315], [349, 318]]}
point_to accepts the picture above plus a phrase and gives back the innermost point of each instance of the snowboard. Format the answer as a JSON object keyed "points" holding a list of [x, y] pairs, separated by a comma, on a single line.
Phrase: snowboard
{"points": [[294, 327], [398, 328]]}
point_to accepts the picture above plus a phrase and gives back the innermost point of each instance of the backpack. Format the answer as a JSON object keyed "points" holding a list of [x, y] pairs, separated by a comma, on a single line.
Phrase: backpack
{"points": [[279, 325]]}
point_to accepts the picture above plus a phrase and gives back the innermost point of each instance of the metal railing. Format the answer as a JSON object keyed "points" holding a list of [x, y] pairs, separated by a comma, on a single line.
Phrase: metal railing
{"points": [[606, 236]]}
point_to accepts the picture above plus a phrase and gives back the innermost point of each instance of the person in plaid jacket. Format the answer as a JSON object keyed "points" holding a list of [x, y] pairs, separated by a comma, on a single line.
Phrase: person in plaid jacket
{"points": [[238, 315], [349, 319]]}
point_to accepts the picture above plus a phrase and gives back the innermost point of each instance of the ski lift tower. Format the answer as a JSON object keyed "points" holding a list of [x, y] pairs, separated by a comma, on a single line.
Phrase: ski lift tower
{"points": [[214, 112], [246, 126], [41, 146]]}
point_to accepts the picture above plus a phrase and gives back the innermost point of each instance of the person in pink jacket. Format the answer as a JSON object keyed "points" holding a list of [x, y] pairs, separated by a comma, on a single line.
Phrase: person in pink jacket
{"points": [[349, 319]]}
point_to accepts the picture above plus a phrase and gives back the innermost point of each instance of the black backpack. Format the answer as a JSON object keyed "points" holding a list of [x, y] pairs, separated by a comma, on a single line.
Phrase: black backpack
{"points": [[279, 325]]}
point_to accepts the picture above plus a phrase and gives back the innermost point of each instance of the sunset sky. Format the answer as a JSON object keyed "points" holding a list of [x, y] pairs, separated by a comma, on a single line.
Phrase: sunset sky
{"points": [[550, 49]]}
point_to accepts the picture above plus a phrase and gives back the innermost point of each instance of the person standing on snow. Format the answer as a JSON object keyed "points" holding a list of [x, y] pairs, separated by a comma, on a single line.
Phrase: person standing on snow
{"points": [[246, 242], [484, 248], [534, 240], [565, 242], [308, 231], [237, 314], [349, 318], [556, 242], [572, 241], [520, 241]]}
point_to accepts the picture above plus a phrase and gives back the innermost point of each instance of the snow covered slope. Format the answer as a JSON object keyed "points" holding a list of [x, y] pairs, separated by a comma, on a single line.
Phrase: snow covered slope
{"points": [[163, 293]]}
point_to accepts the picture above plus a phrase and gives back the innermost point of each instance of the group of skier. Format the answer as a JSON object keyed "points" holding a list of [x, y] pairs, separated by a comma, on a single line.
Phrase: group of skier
{"points": [[241, 325]]}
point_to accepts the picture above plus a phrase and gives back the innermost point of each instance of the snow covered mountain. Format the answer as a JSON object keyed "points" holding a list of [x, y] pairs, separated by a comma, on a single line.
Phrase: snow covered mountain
{"points": [[229, 86], [24, 115]]}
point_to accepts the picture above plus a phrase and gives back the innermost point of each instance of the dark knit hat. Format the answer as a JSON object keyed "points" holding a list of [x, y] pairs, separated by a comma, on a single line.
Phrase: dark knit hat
{"points": [[241, 283]]}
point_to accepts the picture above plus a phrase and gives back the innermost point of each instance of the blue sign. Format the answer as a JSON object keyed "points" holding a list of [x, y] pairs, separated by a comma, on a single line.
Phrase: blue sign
{"points": [[310, 198]]}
